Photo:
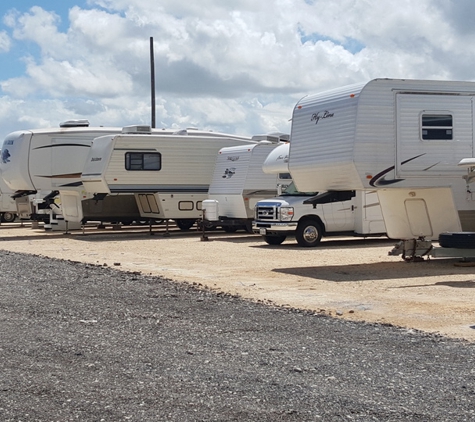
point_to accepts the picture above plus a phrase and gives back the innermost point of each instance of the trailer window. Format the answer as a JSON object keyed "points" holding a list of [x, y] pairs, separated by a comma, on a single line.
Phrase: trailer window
{"points": [[143, 161], [437, 127], [185, 205]]}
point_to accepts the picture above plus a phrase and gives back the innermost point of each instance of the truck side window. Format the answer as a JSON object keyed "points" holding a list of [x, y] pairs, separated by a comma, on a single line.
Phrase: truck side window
{"points": [[143, 161], [437, 127]]}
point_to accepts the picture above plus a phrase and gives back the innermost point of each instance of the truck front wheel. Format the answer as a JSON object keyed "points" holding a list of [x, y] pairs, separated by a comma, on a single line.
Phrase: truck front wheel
{"points": [[274, 240], [309, 233]]}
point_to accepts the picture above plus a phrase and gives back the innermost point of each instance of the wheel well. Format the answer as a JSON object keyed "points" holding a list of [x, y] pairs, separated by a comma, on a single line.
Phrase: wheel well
{"points": [[314, 218]]}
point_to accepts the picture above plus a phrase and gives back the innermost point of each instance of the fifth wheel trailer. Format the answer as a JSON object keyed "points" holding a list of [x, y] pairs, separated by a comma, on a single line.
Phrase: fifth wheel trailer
{"points": [[36, 164], [169, 173], [8, 209], [239, 182], [403, 139]]}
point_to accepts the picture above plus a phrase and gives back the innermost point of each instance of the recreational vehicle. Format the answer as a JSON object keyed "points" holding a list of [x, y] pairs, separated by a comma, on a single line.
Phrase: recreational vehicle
{"points": [[37, 164], [308, 216], [169, 173], [8, 209], [401, 138], [239, 182]]}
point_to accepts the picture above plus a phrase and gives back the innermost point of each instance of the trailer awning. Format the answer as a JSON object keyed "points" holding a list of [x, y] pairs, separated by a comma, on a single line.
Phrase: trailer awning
{"points": [[330, 196]]}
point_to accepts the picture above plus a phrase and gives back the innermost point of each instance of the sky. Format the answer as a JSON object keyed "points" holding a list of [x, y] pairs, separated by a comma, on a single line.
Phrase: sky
{"points": [[233, 66]]}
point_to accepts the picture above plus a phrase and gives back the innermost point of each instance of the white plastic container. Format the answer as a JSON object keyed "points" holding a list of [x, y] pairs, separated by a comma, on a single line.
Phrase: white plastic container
{"points": [[210, 210]]}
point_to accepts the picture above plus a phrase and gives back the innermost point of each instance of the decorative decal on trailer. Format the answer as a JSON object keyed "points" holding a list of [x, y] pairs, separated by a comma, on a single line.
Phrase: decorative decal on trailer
{"points": [[316, 117], [228, 173], [380, 180], [6, 156]]}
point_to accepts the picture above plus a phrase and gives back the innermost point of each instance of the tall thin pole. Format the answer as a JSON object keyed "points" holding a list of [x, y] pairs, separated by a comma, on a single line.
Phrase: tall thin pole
{"points": [[152, 78]]}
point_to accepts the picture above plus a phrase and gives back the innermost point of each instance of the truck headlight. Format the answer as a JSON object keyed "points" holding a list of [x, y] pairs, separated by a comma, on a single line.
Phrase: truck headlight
{"points": [[286, 213]]}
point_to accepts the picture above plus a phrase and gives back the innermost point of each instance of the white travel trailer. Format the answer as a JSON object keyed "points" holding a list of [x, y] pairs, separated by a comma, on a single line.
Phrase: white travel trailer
{"points": [[169, 173], [37, 164], [402, 138], [239, 183], [8, 209]]}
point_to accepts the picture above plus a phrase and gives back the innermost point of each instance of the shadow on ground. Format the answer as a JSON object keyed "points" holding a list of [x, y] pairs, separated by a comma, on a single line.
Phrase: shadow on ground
{"points": [[383, 271]]}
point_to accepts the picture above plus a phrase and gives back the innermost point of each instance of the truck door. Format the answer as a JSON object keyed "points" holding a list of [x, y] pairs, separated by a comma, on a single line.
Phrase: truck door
{"points": [[339, 215]]}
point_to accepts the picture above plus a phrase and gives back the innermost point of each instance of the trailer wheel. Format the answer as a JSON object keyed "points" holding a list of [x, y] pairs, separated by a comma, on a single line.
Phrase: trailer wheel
{"points": [[184, 224], [8, 217], [230, 229], [463, 240], [309, 233], [274, 240]]}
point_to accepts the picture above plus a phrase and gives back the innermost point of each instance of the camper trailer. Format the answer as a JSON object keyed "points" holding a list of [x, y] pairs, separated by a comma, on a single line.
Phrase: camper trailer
{"points": [[37, 164], [307, 216], [8, 209], [169, 173], [401, 138], [239, 182]]}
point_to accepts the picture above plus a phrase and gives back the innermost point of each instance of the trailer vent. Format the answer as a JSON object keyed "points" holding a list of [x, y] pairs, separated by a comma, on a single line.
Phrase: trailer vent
{"points": [[75, 123], [137, 129]]}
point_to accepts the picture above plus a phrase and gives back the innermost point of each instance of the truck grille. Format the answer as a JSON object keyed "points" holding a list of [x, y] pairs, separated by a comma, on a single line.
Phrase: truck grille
{"points": [[267, 213]]}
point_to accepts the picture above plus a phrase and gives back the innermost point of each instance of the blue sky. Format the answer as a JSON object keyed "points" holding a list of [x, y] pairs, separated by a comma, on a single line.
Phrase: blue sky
{"points": [[19, 49], [237, 66]]}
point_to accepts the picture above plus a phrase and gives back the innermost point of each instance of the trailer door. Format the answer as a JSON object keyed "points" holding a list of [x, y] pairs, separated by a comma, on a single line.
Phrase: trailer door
{"points": [[434, 132]]}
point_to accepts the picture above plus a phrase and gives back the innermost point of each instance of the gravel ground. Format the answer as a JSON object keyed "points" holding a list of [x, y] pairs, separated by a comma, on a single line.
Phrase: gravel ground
{"points": [[91, 343]]}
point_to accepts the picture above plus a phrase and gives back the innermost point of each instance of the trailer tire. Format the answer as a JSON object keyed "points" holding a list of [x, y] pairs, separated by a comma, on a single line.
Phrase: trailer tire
{"points": [[185, 224], [462, 240], [309, 233], [230, 229], [8, 217], [274, 240]]}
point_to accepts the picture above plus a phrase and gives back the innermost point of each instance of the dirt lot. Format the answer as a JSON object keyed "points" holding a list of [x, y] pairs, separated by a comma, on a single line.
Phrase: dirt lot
{"points": [[349, 278]]}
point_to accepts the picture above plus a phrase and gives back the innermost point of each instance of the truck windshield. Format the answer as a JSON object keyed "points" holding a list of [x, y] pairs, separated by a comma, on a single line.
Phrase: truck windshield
{"points": [[291, 190]]}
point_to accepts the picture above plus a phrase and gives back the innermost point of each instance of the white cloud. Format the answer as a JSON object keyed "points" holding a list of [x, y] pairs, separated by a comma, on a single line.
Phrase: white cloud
{"points": [[238, 66], [5, 42], [39, 26]]}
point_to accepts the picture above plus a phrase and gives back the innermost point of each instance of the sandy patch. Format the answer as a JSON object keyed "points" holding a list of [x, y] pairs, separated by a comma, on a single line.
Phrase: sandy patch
{"points": [[348, 278]]}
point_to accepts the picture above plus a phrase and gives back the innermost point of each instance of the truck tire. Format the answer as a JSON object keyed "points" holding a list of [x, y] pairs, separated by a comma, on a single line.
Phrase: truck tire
{"points": [[274, 240], [309, 233], [462, 240], [184, 224], [8, 217]]}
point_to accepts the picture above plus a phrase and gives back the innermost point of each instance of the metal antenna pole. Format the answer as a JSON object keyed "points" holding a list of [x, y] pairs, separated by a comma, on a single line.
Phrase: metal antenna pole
{"points": [[152, 78]]}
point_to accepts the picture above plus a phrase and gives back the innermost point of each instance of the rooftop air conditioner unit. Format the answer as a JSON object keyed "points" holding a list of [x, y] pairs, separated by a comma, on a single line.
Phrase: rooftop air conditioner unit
{"points": [[137, 129], [75, 123], [271, 137]]}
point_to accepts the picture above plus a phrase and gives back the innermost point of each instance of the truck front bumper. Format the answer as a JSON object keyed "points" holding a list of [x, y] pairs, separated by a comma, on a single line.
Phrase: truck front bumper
{"points": [[274, 228]]}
